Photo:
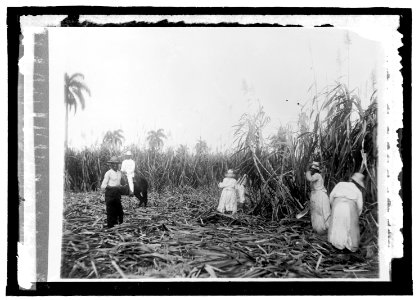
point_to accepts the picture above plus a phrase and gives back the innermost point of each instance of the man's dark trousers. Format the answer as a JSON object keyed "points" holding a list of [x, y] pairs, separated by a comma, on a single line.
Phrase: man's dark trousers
{"points": [[114, 212]]}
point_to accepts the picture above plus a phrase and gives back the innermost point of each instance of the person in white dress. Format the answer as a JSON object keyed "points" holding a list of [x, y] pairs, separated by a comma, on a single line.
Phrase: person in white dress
{"points": [[228, 199], [347, 201], [128, 168], [319, 201]]}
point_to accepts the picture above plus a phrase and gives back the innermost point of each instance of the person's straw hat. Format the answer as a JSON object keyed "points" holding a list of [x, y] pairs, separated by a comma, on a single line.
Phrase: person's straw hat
{"points": [[128, 153], [315, 165], [230, 173], [359, 178], [113, 160]]}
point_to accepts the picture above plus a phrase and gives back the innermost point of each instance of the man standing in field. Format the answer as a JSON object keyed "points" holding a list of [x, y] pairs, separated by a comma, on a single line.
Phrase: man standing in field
{"points": [[112, 186], [128, 168]]}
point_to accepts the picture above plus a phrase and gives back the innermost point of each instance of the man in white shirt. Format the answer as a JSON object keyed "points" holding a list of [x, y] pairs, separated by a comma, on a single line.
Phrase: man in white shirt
{"points": [[128, 168], [112, 186]]}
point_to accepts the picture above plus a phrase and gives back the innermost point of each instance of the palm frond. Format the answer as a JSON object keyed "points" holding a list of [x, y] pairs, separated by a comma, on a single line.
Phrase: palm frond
{"points": [[75, 76], [81, 86], [80, 96]]}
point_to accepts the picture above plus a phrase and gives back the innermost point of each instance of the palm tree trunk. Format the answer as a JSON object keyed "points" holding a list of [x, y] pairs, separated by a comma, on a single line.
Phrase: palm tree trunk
{"points": [[66, 128]]}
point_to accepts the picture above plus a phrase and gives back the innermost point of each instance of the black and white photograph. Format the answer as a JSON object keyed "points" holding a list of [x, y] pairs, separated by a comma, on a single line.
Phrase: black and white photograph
{"points": [[196, 148]]}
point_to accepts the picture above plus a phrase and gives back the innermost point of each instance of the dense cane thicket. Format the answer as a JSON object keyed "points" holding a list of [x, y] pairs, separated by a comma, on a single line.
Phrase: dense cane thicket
{"points": [[163, 170], [341, 131], [333, 130]]}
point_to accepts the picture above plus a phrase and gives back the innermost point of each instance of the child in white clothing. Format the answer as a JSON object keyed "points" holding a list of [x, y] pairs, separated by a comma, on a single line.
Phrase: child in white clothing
{"points": [[228, 199]]}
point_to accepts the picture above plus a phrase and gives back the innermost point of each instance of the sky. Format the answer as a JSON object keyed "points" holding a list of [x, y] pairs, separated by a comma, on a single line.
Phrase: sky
{"points": [[196, 82]]}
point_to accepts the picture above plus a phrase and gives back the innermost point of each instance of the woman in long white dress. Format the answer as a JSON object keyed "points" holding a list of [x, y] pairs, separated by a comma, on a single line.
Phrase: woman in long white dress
{"points": [[228, 199], [319, 201], [346, 200]]}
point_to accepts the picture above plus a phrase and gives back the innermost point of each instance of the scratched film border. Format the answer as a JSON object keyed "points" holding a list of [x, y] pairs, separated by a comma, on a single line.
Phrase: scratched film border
{"points": [[400, 270]]}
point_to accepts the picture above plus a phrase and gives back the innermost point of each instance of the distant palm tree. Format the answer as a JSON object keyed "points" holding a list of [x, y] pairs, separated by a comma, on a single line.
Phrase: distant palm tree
{"points": [[74, 87], [155, 139], [113, 139]]}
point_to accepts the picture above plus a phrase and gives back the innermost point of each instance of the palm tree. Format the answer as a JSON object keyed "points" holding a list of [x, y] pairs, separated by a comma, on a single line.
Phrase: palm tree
{"points": [[74, 87], [155, 139], [113, 139]]}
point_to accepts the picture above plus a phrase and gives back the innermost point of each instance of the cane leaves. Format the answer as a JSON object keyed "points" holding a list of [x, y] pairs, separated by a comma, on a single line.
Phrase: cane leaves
{"points": [[169, 241]]}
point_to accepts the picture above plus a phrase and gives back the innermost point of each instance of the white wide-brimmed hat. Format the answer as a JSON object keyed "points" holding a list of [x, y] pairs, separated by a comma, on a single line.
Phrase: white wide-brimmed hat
{"points": [[128, 153], [230, 173], [315, 165], [359, 178]]}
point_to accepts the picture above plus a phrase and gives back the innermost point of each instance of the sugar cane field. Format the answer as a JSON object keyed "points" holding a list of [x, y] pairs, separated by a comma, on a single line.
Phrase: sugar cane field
{"points": [[180, 234]]}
